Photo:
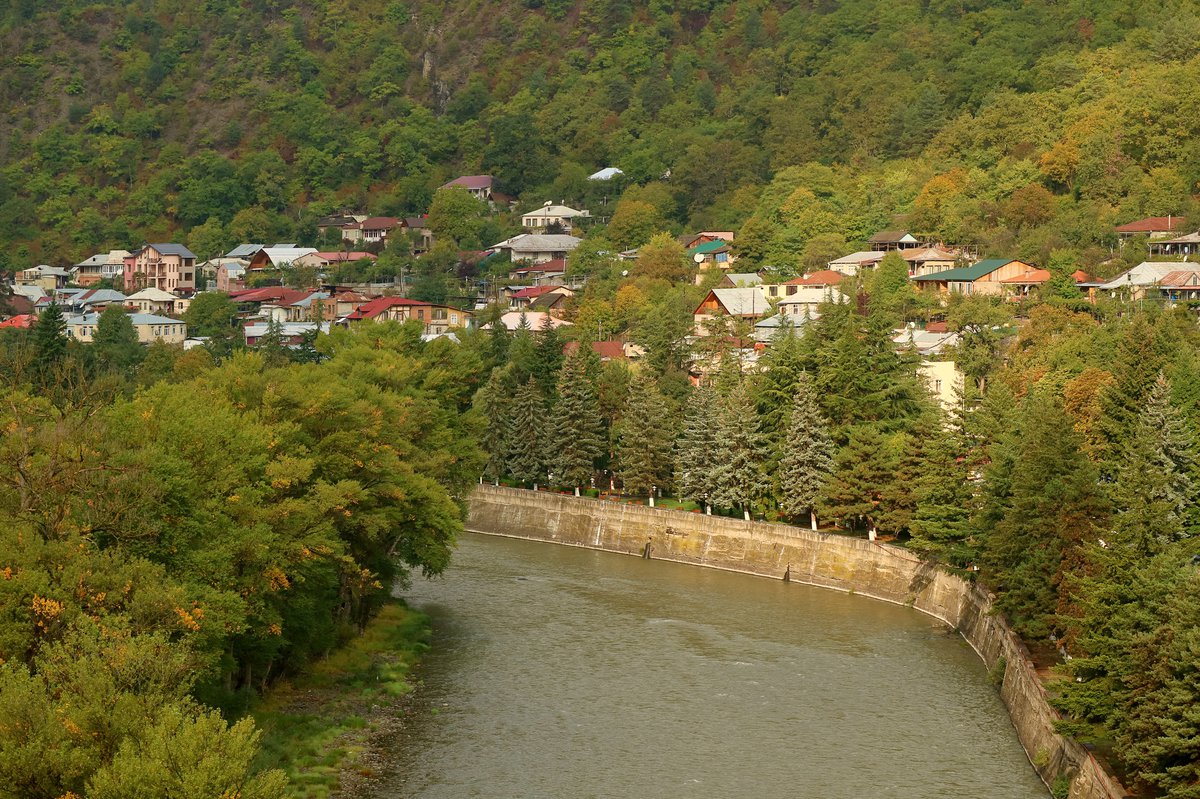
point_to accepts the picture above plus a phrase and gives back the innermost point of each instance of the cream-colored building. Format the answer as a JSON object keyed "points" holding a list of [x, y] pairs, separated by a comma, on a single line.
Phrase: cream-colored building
{"points": [[170, 267], [550, 214], [944, 380], [149, 327], [156, 301]]}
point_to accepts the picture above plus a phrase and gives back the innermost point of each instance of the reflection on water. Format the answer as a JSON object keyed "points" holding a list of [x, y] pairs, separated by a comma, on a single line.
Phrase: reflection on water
{"points": [[561, 672]]}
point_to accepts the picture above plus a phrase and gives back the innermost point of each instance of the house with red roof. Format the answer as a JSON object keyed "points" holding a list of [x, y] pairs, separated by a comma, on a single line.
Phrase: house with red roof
{"points": [[522, 298], [20, 321], [821, 279], [437, 319], [548, 273], [372, 230], [478, 186], [1156, 227], [1022, 285]]}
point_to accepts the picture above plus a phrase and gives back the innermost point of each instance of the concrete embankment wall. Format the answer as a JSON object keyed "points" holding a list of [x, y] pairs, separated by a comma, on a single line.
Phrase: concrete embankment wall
{"points": [[830, 561]]}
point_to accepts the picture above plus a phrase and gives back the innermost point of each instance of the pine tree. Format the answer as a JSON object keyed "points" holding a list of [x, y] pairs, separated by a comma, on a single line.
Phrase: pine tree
{"points": [[522, 352], [808, 454], [1138, 361], [697, 451], [49, 343], [645, 439], [578, 439], [526, 447], [495, 403], [739, 477], [272, 347]]}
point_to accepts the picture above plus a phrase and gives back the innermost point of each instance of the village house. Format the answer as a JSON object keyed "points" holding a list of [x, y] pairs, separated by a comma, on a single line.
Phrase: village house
{"points": [[102, 266], [1153, 227], [711, 254], [610, 350], [537, 248], [323, 260], [739, 280], [291, 334], [531, 320], [338, 222], [156, 301], [1182, 285], [231, 274], [278, 257], [1141, 281], [418, 231], [481, 187], [985, 277], [1022, 285], [549, 273], [47, 278], [887, 240], [149, 328], [747, 304], [169, 267], [690, 240], [88, 300], [550, 215], [821, 279], [437, 319], [855, 262], [1187, 244], [522, 298], [246, 252], [372, 230], [929, 260], [803, 304]]}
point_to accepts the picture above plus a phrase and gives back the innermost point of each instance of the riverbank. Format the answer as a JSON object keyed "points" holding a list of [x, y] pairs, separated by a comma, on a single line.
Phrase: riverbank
{"points": [[843, 563], [320, 727]]}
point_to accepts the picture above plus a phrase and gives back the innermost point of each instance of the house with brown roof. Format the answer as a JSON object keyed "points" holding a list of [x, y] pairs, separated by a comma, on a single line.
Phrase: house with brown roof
{"points": [[524, 297], [1019, 286], [611, 350], [985, 277], [1182, 285], [437, 319], [886, 240], [1156, 227], [821, 279], [690, 240], [928, 260]]}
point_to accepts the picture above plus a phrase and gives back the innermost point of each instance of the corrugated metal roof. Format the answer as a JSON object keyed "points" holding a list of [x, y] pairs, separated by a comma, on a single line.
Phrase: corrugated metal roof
{"points": [[168, 248], [966, 273]]}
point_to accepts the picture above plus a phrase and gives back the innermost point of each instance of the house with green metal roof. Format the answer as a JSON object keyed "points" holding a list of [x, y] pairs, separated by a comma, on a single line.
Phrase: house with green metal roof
{"points": [[984, 277]]}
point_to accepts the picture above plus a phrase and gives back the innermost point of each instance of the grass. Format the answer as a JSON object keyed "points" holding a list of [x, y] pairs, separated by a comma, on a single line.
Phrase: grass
{"points": [[317, 725]]}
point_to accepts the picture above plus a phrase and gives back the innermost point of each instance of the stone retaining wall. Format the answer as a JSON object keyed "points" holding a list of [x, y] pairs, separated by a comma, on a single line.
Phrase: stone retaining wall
{"points": [[831, 561]]}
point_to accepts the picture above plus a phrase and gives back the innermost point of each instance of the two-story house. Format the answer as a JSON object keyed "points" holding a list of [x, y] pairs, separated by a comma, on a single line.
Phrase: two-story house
{"points": [[169, 267]]}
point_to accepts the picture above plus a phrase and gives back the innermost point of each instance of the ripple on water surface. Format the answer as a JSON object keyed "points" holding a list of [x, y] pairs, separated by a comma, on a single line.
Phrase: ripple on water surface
{"points": [[561, 672]]}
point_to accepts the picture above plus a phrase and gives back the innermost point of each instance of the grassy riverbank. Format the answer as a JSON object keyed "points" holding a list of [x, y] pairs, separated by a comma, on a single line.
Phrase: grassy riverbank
{"points": [[317, 727]]}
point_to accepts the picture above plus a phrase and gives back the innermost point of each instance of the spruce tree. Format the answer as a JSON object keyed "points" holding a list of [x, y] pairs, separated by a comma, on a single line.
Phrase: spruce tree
{"points": [[527, 447], [1137, 363], [522, 352], [49, 343], [808, 454], [578, 439], [942, 525], [1154, 492], [645, 439], [697, 451], [861, 469], [740, 480], [548, 356], [1045, 505], [495, 403]]}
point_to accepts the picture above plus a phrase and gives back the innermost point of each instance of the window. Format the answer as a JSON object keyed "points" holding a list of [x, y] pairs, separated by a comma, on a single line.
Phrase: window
{"points": [[454, 319]]}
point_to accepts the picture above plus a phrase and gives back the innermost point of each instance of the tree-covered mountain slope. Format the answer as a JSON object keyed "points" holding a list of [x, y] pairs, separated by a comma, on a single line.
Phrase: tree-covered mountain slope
{"points": [[1021, 126]]}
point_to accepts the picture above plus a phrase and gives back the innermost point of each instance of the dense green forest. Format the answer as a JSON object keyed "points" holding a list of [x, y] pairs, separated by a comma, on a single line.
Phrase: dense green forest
{"points": [[175, 535], [1015, 126]]}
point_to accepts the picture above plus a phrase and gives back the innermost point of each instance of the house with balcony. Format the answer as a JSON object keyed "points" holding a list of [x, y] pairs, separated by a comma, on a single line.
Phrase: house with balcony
{"points": [[550, 215], [167, 267], [102, 266], [437, 319]]}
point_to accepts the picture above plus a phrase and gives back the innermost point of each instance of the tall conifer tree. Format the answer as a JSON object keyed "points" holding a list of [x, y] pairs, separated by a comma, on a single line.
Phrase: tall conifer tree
{"points": [[697, 451], [645, 439], [578, 439], [740, 481], [527, 434], [808, 454]]}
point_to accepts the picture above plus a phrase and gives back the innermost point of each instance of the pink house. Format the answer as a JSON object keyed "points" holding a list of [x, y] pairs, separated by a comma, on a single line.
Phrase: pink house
{"points": [[169, 267]]}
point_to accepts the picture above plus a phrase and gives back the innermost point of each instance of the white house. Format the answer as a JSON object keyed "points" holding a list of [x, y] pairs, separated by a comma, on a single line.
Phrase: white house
{"points": [[550, 214], [537, 248]]}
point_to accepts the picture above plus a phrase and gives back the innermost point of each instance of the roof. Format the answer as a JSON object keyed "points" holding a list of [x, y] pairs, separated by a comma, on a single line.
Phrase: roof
{"points": [[539, 242], [607, 350], [136, 318], [285, 255], [608, 173], [860, 257], [927, 342], [812, 295], [152, 294], [305, 302], [471, 182], [172, 249], [347, 256], [21, 321], [373, 308], [547, 301], [1151, 224], [244, 251], [743, 279], [416, 221], [741, 302], [351, 296], [556, 265], [554, 210], [49, 270], [1146, 273], [379, 223], [822, 277], [1039, 276], [1180, 278], [921, 254], [707, 247], [96, 296], [534, 291], [112, 257], [890, 237], [1189, 238], [534, 319], [286, 329], [967, 273], [276, 295]]}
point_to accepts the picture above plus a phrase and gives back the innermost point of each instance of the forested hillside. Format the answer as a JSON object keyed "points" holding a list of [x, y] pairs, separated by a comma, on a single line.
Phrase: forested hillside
{"points": [[1016, 126]]}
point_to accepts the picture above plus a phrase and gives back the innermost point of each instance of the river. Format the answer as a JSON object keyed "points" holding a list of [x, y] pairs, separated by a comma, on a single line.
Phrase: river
{"points": [[563, 672]]}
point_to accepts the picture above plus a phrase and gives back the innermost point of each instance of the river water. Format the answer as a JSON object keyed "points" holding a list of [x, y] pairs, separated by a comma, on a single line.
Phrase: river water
{"points": [[562, 672]]}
